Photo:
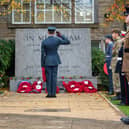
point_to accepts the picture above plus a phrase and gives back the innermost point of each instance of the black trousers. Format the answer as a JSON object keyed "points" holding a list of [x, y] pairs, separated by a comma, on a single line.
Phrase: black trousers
{"points": [[51, 79], [124, 88], [111, 89]]}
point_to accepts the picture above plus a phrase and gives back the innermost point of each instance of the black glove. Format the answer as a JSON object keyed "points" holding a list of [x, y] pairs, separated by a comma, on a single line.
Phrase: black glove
{"points": [[58, 33]]}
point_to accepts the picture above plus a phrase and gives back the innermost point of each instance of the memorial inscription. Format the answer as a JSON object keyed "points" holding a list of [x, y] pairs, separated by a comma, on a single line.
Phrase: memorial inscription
{"points": [[76, 58]]}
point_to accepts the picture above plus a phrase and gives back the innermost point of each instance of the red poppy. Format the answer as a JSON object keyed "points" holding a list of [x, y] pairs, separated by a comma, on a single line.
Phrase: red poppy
{"points": [[11, 78], [62, 77], [22, 78], [81, 77], [105, 69]]}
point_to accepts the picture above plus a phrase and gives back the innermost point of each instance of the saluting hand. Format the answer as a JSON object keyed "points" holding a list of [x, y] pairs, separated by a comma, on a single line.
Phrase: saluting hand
{"points": [[58, 33]]}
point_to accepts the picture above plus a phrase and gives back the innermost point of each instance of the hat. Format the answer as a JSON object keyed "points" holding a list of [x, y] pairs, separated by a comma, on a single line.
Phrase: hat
{"points": [[126, 13], [109, 36], [51, 28]]}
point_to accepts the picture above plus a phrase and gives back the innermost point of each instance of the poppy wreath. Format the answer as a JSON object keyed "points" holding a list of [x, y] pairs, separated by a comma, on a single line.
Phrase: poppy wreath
{"points": [[69, 87], [24, 87], [57, 89], [90, 89], [37, 87], [73, 87]]}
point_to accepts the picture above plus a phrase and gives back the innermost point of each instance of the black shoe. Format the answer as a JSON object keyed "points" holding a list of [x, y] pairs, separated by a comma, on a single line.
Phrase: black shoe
{"points": [[125, 120], [116, 98], [48, 96], [54, 96]]}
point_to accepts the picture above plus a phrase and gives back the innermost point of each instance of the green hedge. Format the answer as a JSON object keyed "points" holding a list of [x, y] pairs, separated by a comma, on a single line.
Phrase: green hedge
{"points": [[98, 59], [7, 50]]}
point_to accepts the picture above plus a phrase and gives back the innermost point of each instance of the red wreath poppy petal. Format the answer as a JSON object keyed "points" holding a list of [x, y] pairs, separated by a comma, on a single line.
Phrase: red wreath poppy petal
{"points": [[24, 87]]}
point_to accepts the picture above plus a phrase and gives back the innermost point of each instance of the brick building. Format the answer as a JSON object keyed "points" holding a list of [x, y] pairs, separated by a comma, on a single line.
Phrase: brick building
{"points": [[83, 14]]}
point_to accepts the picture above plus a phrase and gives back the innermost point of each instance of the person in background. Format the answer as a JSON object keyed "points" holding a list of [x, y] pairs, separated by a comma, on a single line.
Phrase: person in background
{"points": [[123, 80], [50, 59], [125, 66], [109, 46], [117, 45]]}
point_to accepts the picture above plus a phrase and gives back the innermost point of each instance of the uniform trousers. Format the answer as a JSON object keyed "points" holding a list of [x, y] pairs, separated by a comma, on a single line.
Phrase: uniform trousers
{"points": [[110, 76], [124, 88], [51, 79]]}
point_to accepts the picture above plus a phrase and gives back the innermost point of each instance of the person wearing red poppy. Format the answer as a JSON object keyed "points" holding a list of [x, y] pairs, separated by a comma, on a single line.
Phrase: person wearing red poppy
{"points": [[50, 59], [109, 43]]}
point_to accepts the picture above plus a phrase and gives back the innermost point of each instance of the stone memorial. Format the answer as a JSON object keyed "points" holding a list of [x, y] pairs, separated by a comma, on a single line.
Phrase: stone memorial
{"points": [[76, 57]]}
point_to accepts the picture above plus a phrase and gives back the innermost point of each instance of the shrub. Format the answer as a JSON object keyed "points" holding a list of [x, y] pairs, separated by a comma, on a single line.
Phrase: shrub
{"points": [[98, 59], [7, 49]]}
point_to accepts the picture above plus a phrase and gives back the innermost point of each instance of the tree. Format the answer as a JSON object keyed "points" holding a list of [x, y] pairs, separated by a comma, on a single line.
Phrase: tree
{"points": [[116, 11]]}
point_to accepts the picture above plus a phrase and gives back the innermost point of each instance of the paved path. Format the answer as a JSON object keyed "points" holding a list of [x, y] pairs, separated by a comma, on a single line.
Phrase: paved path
{"points": [[91, 106], [46, 122]]}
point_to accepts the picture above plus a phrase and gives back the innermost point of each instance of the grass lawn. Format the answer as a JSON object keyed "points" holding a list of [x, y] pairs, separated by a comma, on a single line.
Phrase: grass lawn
{"points": [[124, 109]]}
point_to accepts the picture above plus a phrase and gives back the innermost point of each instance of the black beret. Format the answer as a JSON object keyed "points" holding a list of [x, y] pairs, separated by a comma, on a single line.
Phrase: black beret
{"points": [[109, 36]]}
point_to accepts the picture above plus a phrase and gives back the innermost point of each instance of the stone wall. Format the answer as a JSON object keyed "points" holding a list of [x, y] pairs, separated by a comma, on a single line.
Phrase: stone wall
{"points": [[97, 33]]}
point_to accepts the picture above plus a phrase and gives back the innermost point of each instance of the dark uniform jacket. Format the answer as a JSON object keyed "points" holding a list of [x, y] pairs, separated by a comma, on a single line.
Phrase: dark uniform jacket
{"points": [[120, 60], [109, 51], [49, 48]]}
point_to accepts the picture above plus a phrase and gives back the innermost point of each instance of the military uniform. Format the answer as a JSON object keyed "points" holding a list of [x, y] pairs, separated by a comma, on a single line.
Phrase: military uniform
{"points": [[116, 79], [125, 67], [123, 80], [50, 60], [126, 56]]}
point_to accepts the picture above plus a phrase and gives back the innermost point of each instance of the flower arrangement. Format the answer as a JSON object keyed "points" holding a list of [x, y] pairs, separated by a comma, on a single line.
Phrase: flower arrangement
{"points": [[77, 87]]}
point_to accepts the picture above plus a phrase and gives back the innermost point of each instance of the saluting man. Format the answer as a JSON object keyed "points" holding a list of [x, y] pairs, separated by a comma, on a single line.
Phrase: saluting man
{"points": [[50, 58]]}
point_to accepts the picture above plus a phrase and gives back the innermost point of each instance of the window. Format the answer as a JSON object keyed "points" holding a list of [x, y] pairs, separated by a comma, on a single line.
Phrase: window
{"points": [[21, 14], [52, 11], [84, 11], [96, 44]]}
